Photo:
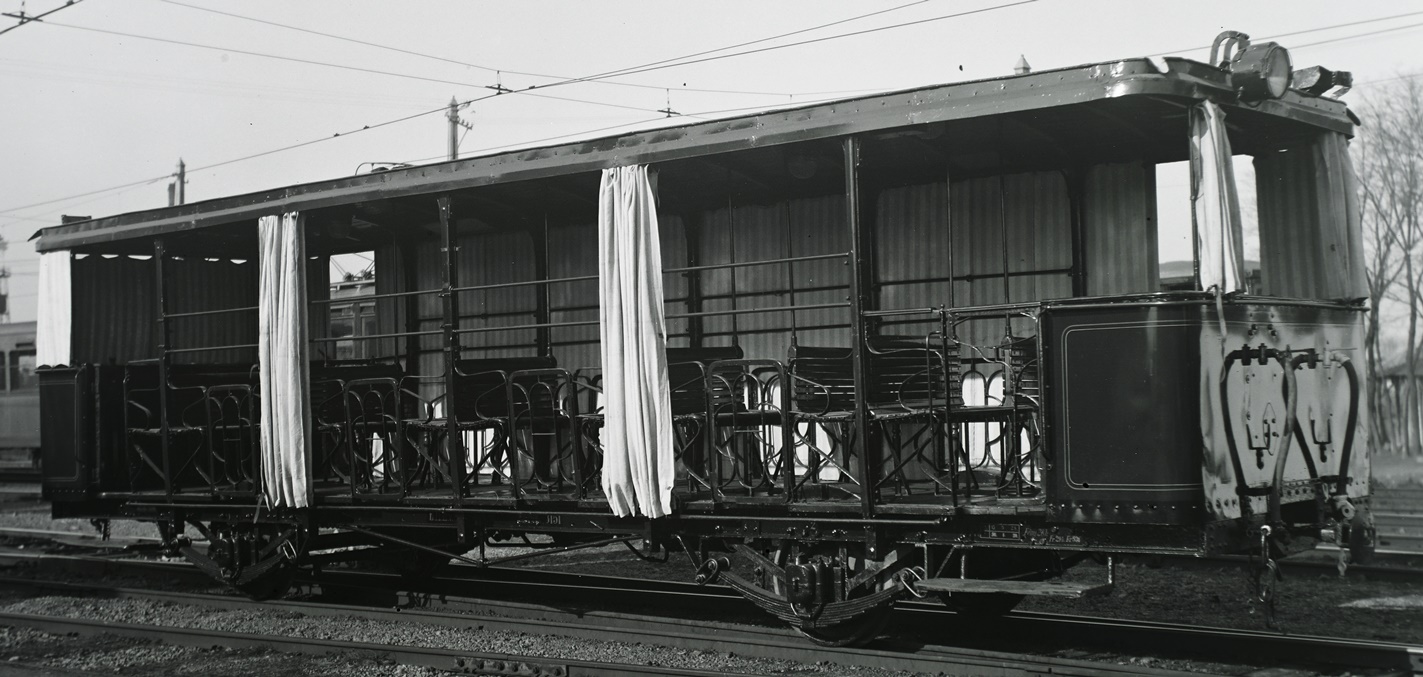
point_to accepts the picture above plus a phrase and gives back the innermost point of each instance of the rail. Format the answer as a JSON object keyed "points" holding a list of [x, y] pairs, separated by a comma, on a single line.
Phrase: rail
{"points": [[925, 626]]}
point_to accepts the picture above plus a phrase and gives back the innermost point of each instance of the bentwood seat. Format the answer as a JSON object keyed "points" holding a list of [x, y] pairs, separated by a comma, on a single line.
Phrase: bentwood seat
{"points": [[747, 429], [208, 414], [907, 384], [332, 430], [691, 394], [1014, 414], [547, 435], [907, 378], [480, 412]]}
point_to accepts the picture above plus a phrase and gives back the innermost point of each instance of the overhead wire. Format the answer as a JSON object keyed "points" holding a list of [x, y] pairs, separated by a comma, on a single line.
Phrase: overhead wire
{"points": [[493, 69], [336, 65], [655, 66], [264, 55], [39, 17], [1310, 30], [49, 72], [1359, 35], [662, 65], [1407, 76], [586, 132]]}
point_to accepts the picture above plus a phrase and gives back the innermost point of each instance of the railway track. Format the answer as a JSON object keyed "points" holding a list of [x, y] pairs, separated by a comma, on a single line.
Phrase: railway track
{"points": [[1398, 517], [453, 660], [572, 601], [1290, 567], [749, 642], [580, 606]]}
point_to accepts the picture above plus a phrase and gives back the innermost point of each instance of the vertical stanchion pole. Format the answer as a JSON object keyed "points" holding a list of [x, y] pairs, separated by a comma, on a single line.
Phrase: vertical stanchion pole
{"points": [[543, 312], [696, 327], [164, 433], [859, 363], [454, 447]]}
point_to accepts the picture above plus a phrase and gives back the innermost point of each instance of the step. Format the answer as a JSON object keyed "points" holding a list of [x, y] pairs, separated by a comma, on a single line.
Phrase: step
{"points": [[1034, 588]]}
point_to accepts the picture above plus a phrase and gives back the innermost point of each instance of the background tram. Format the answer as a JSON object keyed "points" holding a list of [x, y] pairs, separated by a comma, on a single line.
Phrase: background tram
{"points": [[19, 404], [915, 341]]}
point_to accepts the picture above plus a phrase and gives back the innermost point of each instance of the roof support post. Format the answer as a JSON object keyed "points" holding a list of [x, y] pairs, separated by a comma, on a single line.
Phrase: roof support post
{"points": [[543, 314], [696, 325], [453, 438], [1076, 179], [164, 434], [409, 270], [864, 444]]}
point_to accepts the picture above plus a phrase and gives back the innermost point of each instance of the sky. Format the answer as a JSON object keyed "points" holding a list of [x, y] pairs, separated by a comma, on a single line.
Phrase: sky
{"points": [[102, 94]]}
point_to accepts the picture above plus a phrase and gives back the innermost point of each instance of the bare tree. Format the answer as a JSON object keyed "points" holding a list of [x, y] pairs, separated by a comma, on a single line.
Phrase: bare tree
{"points": [[1383, 267], [1390, 168]]}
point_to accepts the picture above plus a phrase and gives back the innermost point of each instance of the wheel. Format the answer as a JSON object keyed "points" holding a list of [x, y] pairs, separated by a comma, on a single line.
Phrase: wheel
{"points": [[275, 583], [853, 596], [254, 560]]}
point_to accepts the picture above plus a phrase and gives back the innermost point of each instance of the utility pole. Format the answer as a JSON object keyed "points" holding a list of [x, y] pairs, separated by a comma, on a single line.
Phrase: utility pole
{"points": [[175, 189], [4, 287], [454, 118], [453, 115]]}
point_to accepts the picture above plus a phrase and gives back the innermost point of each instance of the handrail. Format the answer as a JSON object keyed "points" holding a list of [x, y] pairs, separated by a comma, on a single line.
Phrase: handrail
{"points": [[749, 311], [665, 271], [242, 346], [748, 264], [199, 313], [674, 316], [895, 312], [372, 297], [368, 337], [525, 283], [514, 327]]}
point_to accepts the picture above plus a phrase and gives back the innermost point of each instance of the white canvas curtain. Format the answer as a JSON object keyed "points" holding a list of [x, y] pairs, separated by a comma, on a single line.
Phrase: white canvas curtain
{"points": [[1215, 207], [53, 335], [282, 353], [638, 469]]}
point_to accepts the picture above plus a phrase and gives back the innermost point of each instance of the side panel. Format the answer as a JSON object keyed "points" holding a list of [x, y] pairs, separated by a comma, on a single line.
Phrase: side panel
{"points": [[1122, 390], [1155, 411], [66, 432], [1271, 355]]}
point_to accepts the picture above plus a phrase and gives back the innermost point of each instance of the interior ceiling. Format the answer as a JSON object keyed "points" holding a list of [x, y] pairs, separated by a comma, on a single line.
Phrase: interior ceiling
{"points": [[1149, 129]]}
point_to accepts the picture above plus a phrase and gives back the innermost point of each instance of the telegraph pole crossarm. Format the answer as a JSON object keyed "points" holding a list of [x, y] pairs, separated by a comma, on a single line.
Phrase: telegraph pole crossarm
{"points": [[27, 18]]}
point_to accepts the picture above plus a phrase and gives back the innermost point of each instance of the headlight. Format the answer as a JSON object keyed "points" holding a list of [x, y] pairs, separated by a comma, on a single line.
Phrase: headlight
{"points": [[1262, 71]]}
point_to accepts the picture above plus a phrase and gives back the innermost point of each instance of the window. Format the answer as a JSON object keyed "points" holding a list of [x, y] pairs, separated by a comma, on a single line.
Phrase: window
{"points": [[22, 370], [1175, 238]]}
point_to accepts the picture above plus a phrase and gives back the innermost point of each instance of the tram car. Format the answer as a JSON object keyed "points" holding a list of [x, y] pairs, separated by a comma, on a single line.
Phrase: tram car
{"points": [[908, 344], [19, 404]]}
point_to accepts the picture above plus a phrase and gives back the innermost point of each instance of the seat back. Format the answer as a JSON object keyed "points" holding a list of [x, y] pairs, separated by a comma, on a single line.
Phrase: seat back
{"points": [[329, 380], [186, 388], [903, 372], [907, 372], [481, 386], [687, 377], [824, 379], [1023, 361]]}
